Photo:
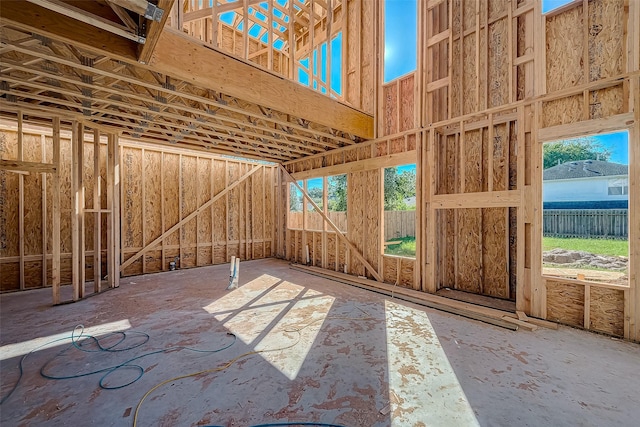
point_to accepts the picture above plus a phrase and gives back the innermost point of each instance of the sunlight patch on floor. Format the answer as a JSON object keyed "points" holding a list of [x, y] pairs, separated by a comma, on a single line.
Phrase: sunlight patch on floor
{"points": [[18, 349], [423, 388], [281, 319], [298, 329]]}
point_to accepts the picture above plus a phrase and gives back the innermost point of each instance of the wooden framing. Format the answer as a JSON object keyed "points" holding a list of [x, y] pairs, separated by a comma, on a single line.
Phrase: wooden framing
{"points": [[495, 80]]}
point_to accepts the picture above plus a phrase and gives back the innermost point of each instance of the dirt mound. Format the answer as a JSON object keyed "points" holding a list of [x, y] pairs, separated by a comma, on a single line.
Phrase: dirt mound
{"points": [[581, 258]]}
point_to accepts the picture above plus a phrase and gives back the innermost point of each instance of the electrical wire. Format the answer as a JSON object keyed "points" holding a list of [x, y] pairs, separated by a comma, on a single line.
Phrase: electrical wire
{"points": [[242, 356], [78, 343]]}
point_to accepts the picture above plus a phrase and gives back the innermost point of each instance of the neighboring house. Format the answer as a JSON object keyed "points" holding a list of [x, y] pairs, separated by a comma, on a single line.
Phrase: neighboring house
{"points": [[586, 184]]}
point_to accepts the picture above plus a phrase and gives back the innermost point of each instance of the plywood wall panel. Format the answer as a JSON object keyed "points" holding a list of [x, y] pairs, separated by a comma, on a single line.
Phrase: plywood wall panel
{"points": [[153, 205], [189, 203], [495, 261], [10, 277], [220, 206], [501, 158], [204, 194], [171, 172], [407, 103], [469, 250], [564, 35], [132, 198], [390, 109], [606, 38], [606, 310], [563, 111], [9, 200], [606, 102], [565, 303], [470, 100], [474, 161], [498, 64], [406, 272]]}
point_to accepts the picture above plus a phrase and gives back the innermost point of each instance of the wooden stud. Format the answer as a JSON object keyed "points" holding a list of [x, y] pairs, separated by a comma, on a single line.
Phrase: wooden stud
{"points": [[97, 223], [21, 201], [55, 215], [44, 221], [339, 234]]}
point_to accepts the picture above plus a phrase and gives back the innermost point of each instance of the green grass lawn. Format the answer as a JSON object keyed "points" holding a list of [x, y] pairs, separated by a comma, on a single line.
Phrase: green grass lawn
{"points": [[594, 246], [406, 247]]}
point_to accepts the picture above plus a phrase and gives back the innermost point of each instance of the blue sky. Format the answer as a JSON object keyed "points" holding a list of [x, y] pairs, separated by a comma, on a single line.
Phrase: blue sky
{"points": [[400, 27], [549, 5], [618, 144]]}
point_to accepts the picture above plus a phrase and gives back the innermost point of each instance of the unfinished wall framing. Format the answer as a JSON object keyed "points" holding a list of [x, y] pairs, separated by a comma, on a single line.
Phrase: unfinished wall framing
{"points": [[192, 209], [289, 38], [69, 233], [495, 80], [172, 204]]}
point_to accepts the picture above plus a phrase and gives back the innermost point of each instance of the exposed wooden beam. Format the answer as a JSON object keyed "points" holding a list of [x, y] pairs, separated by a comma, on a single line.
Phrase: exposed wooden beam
{"points": [[30, 17], [154, 29], [146, 8], [86, 17], [193, 61]]}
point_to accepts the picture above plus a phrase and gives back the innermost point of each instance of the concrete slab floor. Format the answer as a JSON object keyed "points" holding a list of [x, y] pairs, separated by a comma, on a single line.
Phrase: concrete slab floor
{"points": [[328, 353]]}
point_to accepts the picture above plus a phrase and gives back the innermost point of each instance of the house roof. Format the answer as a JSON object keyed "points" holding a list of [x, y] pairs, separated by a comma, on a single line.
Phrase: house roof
{"points": [[584, 169]]}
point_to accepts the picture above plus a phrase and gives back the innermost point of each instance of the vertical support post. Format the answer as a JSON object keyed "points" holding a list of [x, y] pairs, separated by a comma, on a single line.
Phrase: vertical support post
{"points": [[55, 217], [419, 222], [113, 205], [245, 29], [45, 231], [162, 221], [97, 207], [214, 28], [21, 201], [77, 218]]}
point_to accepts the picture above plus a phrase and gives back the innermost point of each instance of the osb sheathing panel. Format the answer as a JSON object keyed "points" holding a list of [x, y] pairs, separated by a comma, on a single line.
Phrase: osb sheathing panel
{"points": [[132, 206], [473, 161], [565, 303], [171, 170], [469, 75], [153, 207], [446, 249], [456, 72], [406, 272], [501, 157], [606, 102], [390, 269], [9, 196], [331, 251], [495, 260], [607, 311], [564, 35], [407, 103], [372, 199], [469, 250], [390, 107], [368, 63], [562, 111], [188, 181], [220, 206], [606, 36], [498, 62], [356, 205]]}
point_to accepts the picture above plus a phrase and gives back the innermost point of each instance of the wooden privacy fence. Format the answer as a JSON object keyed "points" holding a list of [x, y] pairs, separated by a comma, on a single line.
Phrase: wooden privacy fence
{"points": [[587, 223], [396, 223]]}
